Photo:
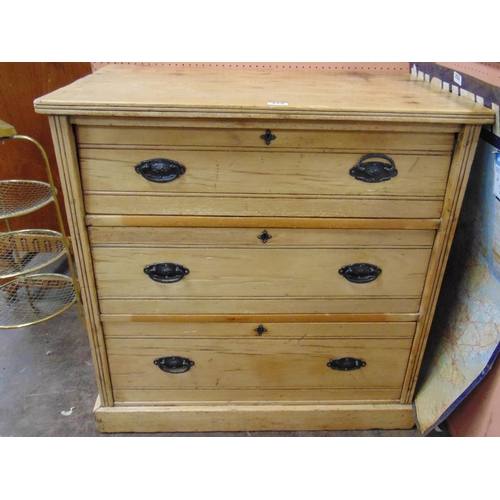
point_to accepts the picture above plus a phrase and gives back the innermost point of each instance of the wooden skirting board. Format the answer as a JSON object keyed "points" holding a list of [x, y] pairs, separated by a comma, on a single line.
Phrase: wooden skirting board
{"points": [[253, 418]]}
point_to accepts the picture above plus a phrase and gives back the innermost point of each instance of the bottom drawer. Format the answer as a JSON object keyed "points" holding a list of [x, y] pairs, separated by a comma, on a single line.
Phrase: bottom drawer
{"points": [[256, 369]]}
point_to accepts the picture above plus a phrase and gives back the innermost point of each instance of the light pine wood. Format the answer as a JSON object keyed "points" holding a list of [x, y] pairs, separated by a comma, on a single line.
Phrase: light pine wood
{"points": [[259, 318], [252, 363], [197, 123], [261, 396], [457, 184], [70, 179], [243, 237], [215, 92], [353, 306], [119, 329], [299, 189], [261, 205], [284, 222], [272, 417], [261, 173], [259, 272], [136, 139]]}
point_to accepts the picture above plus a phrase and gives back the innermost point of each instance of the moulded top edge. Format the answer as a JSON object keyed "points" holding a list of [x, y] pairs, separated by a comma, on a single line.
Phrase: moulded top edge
{"points": [[152, 91]]}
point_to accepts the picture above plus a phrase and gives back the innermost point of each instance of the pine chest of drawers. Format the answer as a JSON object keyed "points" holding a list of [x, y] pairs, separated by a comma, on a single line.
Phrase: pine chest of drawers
{"points": [[259, 250]]}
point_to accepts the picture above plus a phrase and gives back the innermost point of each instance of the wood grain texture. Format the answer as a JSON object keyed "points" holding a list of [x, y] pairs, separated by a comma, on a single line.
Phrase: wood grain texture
{"points": [[259, 318], [249, 238], [353, 306], [260, 272], [457, 183], [68, 168], [149, 221], [257, 363], [272, 417], [208, 220], [231, 172], [258, 397], [153, 122], [191, 330], [144, 91], [261, 206], [133, 138]]}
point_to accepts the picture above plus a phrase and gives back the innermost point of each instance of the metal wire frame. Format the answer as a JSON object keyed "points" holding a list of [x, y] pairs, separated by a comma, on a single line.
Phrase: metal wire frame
{"points": [[60, 220], [21, 197], [28, 250], [35, 298]]}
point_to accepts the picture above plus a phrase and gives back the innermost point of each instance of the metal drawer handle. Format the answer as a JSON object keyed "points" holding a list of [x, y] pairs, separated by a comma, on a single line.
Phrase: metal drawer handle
{"points": [[166, 272], [160, 170], [360, 272], [346, 364], [174, 364], [374, 171]]}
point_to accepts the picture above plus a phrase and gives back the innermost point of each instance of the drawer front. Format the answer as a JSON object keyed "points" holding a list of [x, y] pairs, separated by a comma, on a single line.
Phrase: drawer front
{"points": [[232, 172], [285, 138], [261, 238], [256, 329], [259, 273], [215, 364], [259, 173], [263, 206]]}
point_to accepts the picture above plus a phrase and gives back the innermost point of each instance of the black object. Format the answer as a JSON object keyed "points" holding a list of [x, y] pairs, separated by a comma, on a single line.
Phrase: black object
{"points": [[166, 272], [160, 170], [268, 137], [360, 272], [374, 171], [174, 364], [264, 236], [346, 364], [260, 330]]}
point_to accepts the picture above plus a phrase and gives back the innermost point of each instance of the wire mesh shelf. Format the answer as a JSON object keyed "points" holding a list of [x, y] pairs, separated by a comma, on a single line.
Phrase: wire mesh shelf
{"points": [[28, 250], [20, 197], [28, 299], [32, 299]]}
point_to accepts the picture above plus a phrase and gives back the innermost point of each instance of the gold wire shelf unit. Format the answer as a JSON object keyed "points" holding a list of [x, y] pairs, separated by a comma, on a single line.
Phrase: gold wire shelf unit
{"points": [[23, 197], [27, 299], [35, 298], [28, 250]]}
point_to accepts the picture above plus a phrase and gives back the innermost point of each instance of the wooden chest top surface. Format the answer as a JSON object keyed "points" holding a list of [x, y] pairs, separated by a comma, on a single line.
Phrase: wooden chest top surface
{"points": [[164, 91]]}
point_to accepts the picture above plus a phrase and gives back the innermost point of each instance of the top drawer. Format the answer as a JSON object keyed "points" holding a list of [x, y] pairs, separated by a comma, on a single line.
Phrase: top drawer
{"points": [[236, 171], [282, 138]]}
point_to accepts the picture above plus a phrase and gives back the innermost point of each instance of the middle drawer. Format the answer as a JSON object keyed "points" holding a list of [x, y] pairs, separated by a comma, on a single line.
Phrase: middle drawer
{"points": [[229, 263]]}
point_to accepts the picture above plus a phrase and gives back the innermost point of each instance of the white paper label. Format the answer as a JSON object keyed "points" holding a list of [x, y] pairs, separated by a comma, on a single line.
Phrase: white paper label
{"points": [[457, 78], [277, 103]]}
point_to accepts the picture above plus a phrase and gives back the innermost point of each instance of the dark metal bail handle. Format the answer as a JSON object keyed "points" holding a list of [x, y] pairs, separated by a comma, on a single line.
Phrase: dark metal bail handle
{"points": [[160, 170], [346, 364], [374, 171], [174, 364], [166, 272], [268, 137], [360, 272]]}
